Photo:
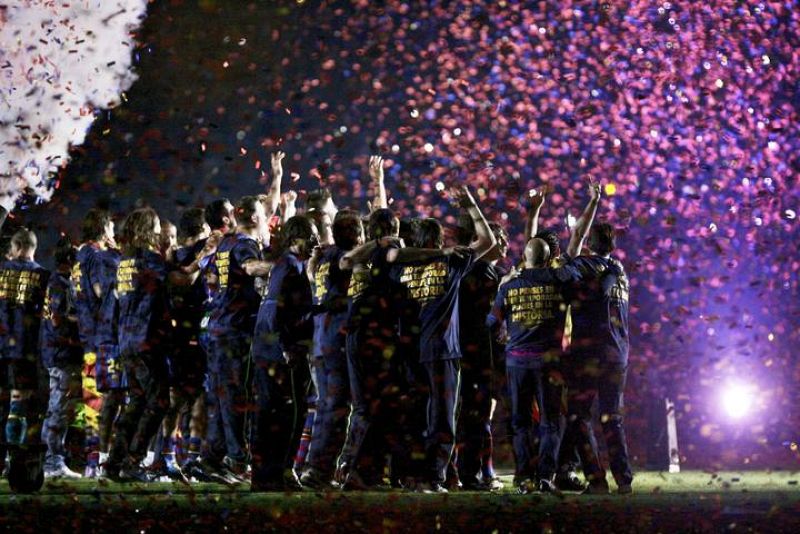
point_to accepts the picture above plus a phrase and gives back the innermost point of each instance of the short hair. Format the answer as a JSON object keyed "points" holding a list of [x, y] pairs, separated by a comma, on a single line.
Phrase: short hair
{"points": [[382, 223], [64, 251], [215, 211], [346, 229], [94, 224], [316, 199], [429, 233], [551, 238], [602, 239], [539, 251], [297, 227], [24, 239], [138, 230], [246, 208], [191, 223]]}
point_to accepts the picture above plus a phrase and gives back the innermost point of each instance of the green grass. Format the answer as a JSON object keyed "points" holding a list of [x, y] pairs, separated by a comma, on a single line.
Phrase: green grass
{"points": [[698, 501]]}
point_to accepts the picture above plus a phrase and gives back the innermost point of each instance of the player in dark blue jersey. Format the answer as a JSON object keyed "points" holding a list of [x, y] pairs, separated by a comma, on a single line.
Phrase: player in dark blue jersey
{"points": [[187, 359], [98, 235], [108, 369], [237, 262], [597, 362], [480, 352], [568, 460], [144, 330], [533, 307], [281, 343], [23, 284], [374, 364], [329, 364], [88, 273], [435, 285], [62, 356], [220, 215]]}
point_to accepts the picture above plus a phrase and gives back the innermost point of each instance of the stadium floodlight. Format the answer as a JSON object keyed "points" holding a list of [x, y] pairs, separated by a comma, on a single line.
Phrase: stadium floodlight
{"points": [[738, 399]]}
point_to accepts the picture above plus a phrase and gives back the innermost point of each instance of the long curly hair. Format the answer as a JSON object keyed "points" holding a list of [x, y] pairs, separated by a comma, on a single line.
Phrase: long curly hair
{"points": [[139, 230]]}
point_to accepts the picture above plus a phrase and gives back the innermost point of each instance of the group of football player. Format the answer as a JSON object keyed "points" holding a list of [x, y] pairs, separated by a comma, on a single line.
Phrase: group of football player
{"points": [[257, 342]]}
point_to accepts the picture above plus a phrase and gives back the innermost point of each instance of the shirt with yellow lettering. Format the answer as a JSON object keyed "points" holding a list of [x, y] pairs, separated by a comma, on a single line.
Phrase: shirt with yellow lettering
{"points": [[533, 306], [23, 285], [435, 286]]}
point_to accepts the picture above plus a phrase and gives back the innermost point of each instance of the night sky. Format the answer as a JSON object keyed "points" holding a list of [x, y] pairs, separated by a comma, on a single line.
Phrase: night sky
{"points": [[687, 114]]}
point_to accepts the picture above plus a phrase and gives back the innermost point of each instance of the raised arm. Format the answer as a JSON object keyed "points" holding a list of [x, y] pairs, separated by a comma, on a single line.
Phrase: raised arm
{"points": [[412, 254], [288, 207], [361, 254], [276, 165], [376, 172], [485, 239], [537, 201], [584, 223]]}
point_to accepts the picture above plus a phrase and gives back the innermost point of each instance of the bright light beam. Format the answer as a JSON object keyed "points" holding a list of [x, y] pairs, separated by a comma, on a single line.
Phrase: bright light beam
{"points": [[738, 400]]}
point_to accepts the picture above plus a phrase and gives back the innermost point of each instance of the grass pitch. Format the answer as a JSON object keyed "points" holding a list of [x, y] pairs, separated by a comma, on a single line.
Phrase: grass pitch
{"points": [[690, 501]]}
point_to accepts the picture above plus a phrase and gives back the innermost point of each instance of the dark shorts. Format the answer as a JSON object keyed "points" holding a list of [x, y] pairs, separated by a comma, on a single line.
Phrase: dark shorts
{"points": [[109, 372], [19, 373]]}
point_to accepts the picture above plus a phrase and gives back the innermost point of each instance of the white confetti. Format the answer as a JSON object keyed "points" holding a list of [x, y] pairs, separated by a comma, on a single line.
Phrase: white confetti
{"points": [[49, 105]]}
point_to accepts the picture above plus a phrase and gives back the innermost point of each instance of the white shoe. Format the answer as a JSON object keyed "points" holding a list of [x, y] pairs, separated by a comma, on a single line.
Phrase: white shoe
{"points": [[61, 472]]}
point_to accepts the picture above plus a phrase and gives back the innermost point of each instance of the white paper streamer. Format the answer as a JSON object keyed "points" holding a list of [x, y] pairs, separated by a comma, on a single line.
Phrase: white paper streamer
{"points": [[61, 62]]}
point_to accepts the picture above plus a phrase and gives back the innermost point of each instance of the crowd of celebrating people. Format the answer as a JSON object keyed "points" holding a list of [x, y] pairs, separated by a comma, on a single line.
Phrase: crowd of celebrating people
{"points": [[314, 348]]}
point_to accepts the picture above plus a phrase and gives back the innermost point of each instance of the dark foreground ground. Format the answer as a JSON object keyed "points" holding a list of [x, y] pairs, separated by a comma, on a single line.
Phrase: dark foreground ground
{"points": [[687, 502]]}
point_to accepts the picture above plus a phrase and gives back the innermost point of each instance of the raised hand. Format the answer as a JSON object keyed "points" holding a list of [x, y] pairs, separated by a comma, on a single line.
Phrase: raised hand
{"points": [[376, 168], [463, 196], [595, 191], [276, 162], [288, 198], [537, 198]]}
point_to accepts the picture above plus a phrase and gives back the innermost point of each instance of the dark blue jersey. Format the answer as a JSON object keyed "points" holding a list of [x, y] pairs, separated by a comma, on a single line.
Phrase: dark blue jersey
{"points": [[187, 302], [478, 290], [284, 317], [600, 310], [107, 330], [371, 291], [60, 342], [86, 272], [22, 294], [235, 304], [144, 323], [534, 308], [435, 286], [331, 286]]}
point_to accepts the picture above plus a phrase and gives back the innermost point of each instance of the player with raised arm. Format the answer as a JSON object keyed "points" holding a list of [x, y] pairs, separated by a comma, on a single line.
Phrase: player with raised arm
{"points": [[435, 284], [568, 461], [597, 361]]}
